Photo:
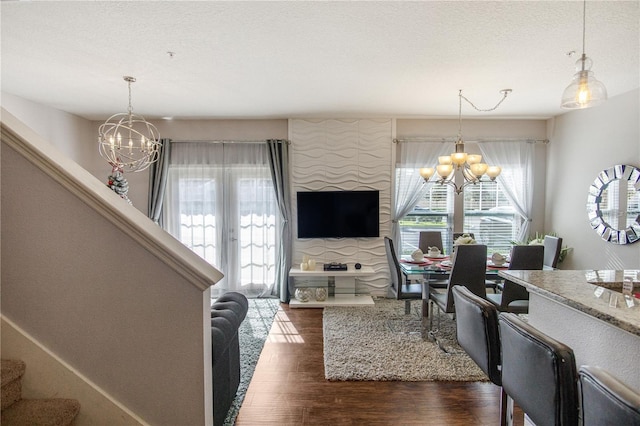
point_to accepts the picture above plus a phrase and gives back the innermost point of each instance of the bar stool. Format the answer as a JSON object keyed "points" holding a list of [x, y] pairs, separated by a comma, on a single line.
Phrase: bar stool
{"points": [[538, 373], [477, 332], [605, 400]]}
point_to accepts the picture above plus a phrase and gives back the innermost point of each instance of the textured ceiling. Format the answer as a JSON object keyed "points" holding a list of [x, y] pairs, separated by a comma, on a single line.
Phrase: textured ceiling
{"points": [[312, 59]]}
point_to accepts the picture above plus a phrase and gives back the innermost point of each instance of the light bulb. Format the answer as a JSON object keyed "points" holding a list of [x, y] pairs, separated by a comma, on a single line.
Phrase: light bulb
{"points": [[583, 96]]}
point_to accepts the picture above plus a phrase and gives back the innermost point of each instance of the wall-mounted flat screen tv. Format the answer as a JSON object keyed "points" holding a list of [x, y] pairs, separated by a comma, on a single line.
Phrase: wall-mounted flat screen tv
{"points": [[338, 214]]}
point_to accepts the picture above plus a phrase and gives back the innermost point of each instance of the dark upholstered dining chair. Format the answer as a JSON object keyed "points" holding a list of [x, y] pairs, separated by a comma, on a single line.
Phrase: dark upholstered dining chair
{"points": [[552, 247], [605, 400], [468, 268], [400, 288], [430, 239], [515, 298], [538, 373], [478, 334]]}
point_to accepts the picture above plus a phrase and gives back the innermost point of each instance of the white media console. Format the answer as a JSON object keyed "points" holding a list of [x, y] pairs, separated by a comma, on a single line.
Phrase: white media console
{"points": [[345, 286]]}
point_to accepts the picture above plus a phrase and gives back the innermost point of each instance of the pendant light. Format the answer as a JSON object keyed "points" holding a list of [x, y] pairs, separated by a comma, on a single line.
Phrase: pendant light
{"points": [[127, 141], [469, 166], [585, 90]]}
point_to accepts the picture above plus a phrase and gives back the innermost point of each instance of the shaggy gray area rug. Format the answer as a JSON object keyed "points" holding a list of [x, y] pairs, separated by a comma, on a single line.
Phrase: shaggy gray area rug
{"points": [[381, 343], [252, 334]]}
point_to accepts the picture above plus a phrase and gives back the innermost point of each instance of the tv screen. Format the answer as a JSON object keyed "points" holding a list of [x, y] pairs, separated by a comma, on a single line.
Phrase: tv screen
{"points": [[338, 214]]}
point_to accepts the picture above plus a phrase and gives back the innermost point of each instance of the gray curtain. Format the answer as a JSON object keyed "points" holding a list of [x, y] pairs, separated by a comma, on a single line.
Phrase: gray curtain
{"points": [[158, 181], [279, 163]]}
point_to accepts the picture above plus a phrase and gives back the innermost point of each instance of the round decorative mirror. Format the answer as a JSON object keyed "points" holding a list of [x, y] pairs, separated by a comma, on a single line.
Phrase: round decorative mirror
{"points": [[613, 204]]}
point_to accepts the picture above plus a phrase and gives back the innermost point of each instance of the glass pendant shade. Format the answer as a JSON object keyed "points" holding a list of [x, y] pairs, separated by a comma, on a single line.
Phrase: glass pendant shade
{"points": [[444, 159], [585, 90], [444, 170], [478, 169], [493, 172], [427, 172], [459, 158], [474, 158]]}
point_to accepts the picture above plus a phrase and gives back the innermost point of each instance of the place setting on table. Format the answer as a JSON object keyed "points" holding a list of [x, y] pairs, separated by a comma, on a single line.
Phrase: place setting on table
{"points": [[497, 261], [433, 256], [433, 261]]}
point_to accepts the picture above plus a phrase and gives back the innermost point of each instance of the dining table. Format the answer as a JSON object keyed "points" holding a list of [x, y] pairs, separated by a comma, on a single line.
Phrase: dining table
{"points": [[437, 269]]}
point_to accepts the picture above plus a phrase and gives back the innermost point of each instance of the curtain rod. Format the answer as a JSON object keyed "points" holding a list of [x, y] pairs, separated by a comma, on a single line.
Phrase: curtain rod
{"points": [[227, 141], [453, 140]]}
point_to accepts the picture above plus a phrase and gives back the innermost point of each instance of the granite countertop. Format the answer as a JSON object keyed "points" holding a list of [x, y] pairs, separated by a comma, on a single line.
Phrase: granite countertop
{"points": [[575, 289]]}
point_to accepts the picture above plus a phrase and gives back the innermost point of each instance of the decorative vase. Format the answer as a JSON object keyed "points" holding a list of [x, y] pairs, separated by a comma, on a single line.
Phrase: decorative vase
{"points": [[303, 294], [321, 294]]}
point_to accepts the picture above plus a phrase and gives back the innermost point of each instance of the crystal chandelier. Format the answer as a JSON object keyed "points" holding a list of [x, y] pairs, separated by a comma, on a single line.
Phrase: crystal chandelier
{"points": [[585, 90], [470, 166], [127, 141]]}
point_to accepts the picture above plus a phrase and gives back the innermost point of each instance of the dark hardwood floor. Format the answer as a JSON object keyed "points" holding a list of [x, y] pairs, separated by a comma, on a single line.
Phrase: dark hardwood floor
{"points": [[289, 388]]}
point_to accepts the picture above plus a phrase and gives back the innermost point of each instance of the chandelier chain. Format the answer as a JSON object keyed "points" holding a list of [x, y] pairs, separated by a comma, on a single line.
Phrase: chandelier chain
{"points": [[504, 92], [129, 80], [130, 107]]}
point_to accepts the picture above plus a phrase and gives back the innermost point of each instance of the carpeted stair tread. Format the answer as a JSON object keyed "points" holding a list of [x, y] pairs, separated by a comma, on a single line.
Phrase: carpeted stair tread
{"points": [[12, 372], [41, 412]]}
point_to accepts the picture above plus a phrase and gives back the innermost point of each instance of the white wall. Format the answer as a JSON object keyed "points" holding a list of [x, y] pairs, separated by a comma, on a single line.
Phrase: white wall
{"points": [[69, 133], [346, 154], [583, 143]]}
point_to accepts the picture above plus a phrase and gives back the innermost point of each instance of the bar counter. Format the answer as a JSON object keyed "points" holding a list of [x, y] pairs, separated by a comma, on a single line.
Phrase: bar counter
{"points": [[577, 289], [575, 307]]}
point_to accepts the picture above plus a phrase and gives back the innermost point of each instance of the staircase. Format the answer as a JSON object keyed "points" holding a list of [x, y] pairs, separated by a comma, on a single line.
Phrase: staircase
{"points": [[33, 412]]}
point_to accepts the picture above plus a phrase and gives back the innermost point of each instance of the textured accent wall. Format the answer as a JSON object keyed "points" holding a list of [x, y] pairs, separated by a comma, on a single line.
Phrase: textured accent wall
{"points": [[344, 155]]}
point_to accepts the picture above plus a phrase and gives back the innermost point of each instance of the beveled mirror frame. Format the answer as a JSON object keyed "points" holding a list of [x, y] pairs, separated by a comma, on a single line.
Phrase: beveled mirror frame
{"points": [[597, 219]]}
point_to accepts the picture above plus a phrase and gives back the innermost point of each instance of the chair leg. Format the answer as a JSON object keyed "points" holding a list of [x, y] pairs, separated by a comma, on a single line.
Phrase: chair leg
{"points": [[407, 307], [430, 316], [509, 410], [503, 408]]}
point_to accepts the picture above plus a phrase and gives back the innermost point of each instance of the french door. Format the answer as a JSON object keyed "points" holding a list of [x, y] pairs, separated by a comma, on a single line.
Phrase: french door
{"points": [[226, 213]]}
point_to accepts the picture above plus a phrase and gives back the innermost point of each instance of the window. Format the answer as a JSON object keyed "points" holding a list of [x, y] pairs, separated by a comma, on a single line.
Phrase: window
{"points": [[220, 202], [497, 215], [487, 213], [433, 212], [490, 216]]}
